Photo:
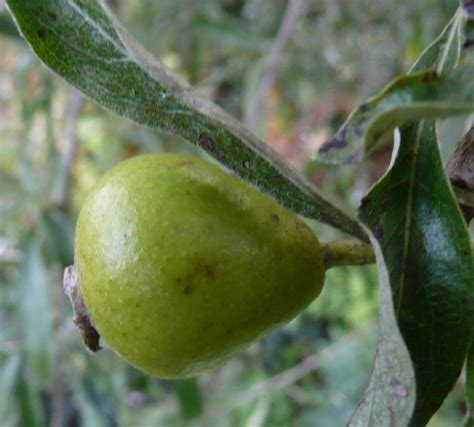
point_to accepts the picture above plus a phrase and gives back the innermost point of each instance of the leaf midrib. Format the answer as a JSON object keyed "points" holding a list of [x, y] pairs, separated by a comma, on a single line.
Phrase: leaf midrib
{"points": [[408, 216]]}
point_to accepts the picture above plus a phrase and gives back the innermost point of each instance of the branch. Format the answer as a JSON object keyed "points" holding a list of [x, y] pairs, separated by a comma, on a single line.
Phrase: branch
{"points": [[299, 371], [460, 170], [272, 62], [73, 110]]}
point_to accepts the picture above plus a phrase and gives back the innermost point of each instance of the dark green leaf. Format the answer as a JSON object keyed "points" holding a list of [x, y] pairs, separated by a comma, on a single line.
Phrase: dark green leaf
{"points": [[84, 43], [189, 398], [425, 248], [423, 95]]}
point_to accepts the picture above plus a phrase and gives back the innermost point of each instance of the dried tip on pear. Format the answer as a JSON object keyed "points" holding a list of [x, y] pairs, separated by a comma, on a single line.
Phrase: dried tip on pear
{"points": [[82, 320]]}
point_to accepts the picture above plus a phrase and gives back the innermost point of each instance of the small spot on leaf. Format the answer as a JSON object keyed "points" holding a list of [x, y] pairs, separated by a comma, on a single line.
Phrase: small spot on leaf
{"points": [[339, 141], [52, 16], [378, 232], [429, 77], [207, 142], [398, 388]]}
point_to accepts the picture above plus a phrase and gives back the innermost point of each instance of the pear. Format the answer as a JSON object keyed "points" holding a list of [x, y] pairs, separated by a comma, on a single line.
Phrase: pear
{"points": [[180, 265]]}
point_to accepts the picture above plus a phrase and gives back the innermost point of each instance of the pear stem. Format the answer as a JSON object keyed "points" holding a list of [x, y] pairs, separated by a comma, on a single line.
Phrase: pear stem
{"points": [[347, 252]]}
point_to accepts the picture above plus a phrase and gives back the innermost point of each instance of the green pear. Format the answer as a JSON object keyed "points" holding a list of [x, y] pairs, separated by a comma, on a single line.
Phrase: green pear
{"points": [[180, 265]]}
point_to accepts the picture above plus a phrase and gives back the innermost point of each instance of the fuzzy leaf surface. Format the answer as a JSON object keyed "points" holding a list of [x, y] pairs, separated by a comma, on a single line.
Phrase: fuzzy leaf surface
{"points": [[83, 42]]}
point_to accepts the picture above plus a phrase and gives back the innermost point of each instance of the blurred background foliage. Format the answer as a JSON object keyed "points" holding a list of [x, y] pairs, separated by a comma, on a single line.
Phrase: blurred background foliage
{"points": [[54, 145]]}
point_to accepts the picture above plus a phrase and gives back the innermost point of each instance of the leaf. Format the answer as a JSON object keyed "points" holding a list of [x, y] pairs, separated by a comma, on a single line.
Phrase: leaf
{"points": [[390, 395], [443, 53], [29, 402], [425, 249], [189, 398], [8, 27], [35, 314], [469, 422], [95, 407], [60, 234], [422, 95], [409, 98], [85, 44], [9, 372]]}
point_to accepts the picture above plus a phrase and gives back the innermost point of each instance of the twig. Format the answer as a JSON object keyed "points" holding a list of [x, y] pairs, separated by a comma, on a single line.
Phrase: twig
{"points": [[299, 371], [272, 62], [460, 170], [73, 110], [347, 252]]}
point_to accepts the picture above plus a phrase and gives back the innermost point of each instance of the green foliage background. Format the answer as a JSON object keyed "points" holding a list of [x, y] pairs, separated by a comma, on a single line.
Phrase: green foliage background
{"points": [[54, 145]]}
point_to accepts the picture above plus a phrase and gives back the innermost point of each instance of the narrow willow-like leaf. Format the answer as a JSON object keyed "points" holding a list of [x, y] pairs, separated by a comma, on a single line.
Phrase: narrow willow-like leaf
{"points": [[84, 43], [390, 396], [9, 371], [444, 52], [60, 236], [408, 99], [425, 247], [28, 398], [7, 26], [469, 422], [425, 93], [35, 314], [100, 404], [189, 398]]}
